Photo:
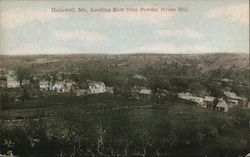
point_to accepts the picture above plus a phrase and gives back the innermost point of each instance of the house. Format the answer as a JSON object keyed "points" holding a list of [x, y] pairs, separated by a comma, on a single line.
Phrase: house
{"points": [[96, 87], [58, 87], [222, 106], [145, 94], [226, 80], [44, 85], [232, 102], [61, 86], [69, 86], [191, 97], [12, 81], [110, 90], [141, 93], [209, 102], [233, 96], [81, 92], [137, 76]]}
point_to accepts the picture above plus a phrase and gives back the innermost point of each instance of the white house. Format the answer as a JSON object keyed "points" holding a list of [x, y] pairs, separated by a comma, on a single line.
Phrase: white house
{"points": [[58, 87], [68, 86], [190, 97], [44, 85], [222, 106], [145, 93], [96, 87], [234, 99], [12, 81], [137, 76], [141, 93]]}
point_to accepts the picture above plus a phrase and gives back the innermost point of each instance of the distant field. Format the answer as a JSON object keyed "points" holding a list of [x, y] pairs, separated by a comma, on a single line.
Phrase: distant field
{"points": [[49, 104]]}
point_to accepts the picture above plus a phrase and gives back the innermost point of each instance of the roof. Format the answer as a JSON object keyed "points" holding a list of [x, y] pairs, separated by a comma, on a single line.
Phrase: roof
{"points": [[145, 91], [209, 98], [226, 80], [95, 83], [233, 95], [139, 76], [232, 100], [11, 76]]}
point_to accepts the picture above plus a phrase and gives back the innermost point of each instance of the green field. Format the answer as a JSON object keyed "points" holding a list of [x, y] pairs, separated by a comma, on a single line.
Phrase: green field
{"points": [[66, 125]]}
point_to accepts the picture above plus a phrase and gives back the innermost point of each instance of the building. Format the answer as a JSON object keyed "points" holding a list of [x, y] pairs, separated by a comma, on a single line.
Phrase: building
{"points": [[61, 86], [137, 76], [209, 102], [188, 96], [232, 103], [96, 87], [69, 86], [58, 87], [222, 106], [145, 94], [44, 85], [232, 97], [12, 81], [110, 90], [141, 93]]}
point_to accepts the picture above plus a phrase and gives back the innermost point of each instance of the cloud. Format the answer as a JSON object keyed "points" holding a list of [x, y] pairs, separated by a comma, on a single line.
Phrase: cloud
{"points": [[147, 17], [188, 33], [171, 48], [33, 49], [237, 13], [82, 36], [18, 17]]}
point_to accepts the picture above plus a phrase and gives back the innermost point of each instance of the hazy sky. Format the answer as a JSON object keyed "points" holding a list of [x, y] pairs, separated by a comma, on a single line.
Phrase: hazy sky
{"points": [[212, 26]]}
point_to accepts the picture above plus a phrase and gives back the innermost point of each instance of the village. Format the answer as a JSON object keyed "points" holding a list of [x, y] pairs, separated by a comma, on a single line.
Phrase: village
{"points": [[138, 92], [71, 101]]}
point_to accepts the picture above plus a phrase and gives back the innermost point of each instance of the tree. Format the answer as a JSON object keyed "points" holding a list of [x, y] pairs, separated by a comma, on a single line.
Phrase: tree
{"points": [[23, 73]]}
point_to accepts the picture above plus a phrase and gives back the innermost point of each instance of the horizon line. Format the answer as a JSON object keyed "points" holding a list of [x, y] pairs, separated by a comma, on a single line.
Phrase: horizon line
{"points": [[93, 53]]}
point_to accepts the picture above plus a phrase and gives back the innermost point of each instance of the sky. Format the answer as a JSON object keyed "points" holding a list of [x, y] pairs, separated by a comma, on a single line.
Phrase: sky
{"points": [[30, 27]]}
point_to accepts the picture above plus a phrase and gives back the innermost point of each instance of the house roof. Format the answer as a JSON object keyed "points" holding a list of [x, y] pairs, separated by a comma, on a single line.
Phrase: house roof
{"points": [[137, 76], [233, 95], [209, 98], [145, 91], [232, 100], [95, 83], [11, 76]]}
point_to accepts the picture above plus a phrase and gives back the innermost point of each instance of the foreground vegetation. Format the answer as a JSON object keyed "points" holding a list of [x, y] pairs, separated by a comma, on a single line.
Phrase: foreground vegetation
{"points": [[101, 125]]}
